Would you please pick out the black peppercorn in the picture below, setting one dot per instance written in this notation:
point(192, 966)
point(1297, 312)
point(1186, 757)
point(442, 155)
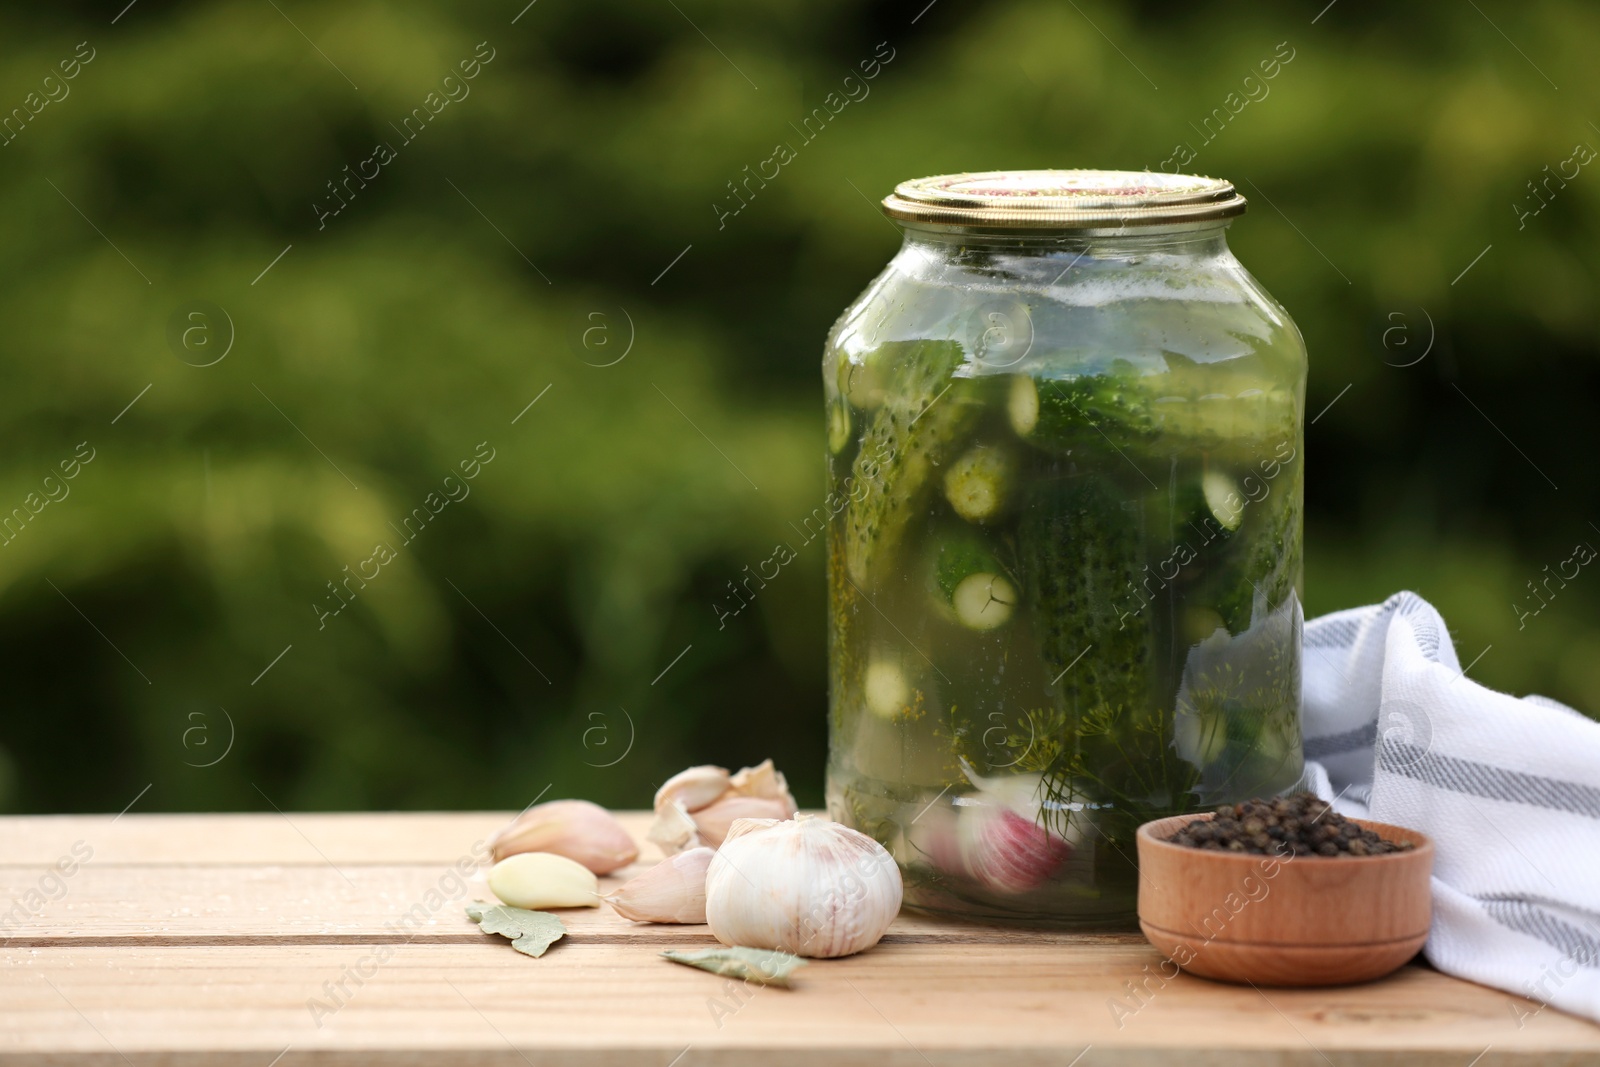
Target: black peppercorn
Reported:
point(1300, 824)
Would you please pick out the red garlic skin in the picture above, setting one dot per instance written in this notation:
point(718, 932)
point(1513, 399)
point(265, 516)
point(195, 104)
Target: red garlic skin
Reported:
point(1009, 853)
point(992, 844)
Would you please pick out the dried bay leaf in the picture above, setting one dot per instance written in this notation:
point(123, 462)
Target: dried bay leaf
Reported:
point(531, 932)
point(759, 965)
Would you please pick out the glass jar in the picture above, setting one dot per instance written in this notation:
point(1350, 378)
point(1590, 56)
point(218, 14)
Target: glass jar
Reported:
point(1064, 441)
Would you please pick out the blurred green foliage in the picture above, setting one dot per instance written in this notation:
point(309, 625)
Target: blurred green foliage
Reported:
point(520, 640)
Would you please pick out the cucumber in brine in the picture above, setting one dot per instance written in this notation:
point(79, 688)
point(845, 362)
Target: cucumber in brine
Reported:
point(887, 690)
point(1147, 415)
point(978, 484)
point(1066, 415)
point(1222, 499)
point(1080, 560)
point(1237, 716)
point(972, 586)
point(923, 417)
point(838, 426)
point(1022, 406)
point(1267, 568)
point(984, 600)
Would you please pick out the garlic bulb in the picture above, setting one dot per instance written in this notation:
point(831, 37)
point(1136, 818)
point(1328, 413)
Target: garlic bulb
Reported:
point(673, 891)
point(576, 829)
point(695, 807)
point(539, 880)
point(804, 885)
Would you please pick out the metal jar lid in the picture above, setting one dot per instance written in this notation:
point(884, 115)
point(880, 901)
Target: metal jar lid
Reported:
point(1063, 199)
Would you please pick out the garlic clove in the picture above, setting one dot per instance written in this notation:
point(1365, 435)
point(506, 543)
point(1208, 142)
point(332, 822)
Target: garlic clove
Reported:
point(805, 885)
point(1004, 851)
point(673, 891)
point(1026, 795)
point(762, 780)
point(693, 788)
point(673, 829)
point(1022, 793)
point(715, 820)
point(696, 806)
point(576, 829)
point(539, 880)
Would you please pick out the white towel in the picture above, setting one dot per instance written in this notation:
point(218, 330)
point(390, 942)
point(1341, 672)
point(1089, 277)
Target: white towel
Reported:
point(1508, 788)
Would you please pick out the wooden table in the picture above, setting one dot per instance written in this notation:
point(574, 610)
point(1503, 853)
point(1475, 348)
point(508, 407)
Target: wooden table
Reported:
point(240, 939)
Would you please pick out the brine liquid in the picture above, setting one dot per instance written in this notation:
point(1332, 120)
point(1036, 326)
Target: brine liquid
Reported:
point(1071, 599)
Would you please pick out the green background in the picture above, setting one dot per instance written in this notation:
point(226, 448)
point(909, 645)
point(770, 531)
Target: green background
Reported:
point(520, 641)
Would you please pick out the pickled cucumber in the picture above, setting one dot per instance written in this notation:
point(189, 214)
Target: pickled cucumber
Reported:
point(1077, 414)
point(1080, 555)
point(887, 691)
point(838, 427)
point(1236, 715)
point(1222, 499)
point(1269, 569)
point(1147, 415)
point(1022, 405)
point(924, 415)
point(972, 586)
point(978, 484)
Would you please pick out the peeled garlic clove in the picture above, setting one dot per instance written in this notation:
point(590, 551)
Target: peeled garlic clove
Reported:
point(806, 885)
point(693, 788)
point(673, 891)
point(575, 829)
point(539, 880)
point(1005, 851)
point(673, 829)
point(714, 821)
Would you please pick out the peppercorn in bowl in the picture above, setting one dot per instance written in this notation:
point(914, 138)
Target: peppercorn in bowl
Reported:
point(1284, 891)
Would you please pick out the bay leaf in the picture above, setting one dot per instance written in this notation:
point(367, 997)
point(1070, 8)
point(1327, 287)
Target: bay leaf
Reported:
point(531, 932)
point(759, 965)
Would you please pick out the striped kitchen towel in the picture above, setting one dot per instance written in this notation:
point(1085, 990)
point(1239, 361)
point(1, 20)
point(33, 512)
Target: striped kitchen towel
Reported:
point(1508, 788)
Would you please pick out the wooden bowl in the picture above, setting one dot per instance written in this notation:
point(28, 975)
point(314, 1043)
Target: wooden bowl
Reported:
point(1296, 921)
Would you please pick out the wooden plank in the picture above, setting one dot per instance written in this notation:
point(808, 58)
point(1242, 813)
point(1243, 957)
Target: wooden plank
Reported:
point(171, 905)
point(316, 839)
point(595, 1004)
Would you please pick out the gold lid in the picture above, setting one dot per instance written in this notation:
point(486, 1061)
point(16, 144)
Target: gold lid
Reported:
point(1063, 199)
